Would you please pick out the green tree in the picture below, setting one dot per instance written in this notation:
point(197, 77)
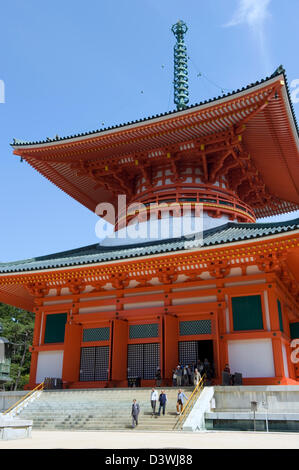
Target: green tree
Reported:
point(18, 328)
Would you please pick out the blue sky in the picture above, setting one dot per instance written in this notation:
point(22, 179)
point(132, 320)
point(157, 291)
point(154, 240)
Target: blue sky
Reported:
point(70, 66)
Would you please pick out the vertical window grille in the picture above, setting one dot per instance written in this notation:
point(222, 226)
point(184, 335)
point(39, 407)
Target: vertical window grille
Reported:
point(135, 360)
point(143, 360)
point(188, 352)
point(151, 360)
point(94, 363)
point(87, 364)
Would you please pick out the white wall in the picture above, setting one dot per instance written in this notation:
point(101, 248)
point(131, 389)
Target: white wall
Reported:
point(49, 364)
point(252, 358)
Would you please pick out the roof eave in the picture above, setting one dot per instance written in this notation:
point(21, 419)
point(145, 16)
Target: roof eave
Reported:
point(163, 117)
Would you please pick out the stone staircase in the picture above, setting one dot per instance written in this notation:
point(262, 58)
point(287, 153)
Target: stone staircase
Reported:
point(99, 409)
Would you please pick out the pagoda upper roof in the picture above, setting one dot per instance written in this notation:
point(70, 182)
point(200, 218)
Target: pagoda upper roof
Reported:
point(49, 141)
point(262, 112)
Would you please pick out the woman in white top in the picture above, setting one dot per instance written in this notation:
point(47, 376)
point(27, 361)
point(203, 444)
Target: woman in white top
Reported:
point(197, 377)
point(154, 399)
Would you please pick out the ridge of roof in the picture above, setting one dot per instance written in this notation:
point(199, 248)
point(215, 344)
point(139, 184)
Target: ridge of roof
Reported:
point(227, 233)
point(280, 70)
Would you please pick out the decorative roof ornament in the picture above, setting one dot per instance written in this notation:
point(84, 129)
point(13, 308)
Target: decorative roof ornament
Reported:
point(181, 93)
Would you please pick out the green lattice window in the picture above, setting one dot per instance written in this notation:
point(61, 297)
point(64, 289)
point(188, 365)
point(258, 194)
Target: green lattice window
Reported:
point(195, 327)
point(96, 334)
point(294, 330)
point(149, 330)
point(55, 326)
point(280, 315)
point(247, 313)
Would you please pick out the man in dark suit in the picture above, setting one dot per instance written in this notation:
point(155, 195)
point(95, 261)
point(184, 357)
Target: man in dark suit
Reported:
point(162, 401)
point(135, 413)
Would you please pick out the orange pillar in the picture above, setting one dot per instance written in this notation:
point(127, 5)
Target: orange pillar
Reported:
point(278, 358)
point(72, 352)
point(221, 347)
point(273, 308)
point(33, 367)
point(275, 328)
point(37, 326)
point(170, 345)
point(119, 350)
point(34, 354)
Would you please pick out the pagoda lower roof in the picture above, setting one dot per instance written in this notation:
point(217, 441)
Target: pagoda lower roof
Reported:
point(96, 253)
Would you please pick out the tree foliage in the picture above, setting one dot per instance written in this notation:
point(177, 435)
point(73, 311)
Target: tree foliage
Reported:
point(18, 328)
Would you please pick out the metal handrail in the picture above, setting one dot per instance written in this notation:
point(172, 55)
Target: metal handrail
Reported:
point(15, 405)
point(187, 408)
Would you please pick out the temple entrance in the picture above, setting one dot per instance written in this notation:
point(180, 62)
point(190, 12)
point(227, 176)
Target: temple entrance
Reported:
point(143, 360)
point(94, 364)
point(192, 351)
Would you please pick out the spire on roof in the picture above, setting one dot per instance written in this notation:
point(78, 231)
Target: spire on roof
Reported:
point(181, 93)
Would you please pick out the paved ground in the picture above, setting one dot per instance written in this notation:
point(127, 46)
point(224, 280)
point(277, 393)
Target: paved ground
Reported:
point(150, 440)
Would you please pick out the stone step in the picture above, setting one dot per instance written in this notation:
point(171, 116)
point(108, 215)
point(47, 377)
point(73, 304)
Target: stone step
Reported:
point(102, 422)
point(94, 409)
point(101, 418)
point(106, 418)
point(144, 407)
point(102, 399)
point(95, 403)
point(128, 427)
point(118, 391)
point(101, 425)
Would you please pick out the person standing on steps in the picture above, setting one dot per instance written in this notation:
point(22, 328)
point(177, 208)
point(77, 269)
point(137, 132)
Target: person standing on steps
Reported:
point(162, 401)
point(135, 412)
point(185, 376)
point(179, 373)
point(189, 374)
point(174, 378)
point(158, 377)
point(154, 399)
point(197, 377)
point(180, 401)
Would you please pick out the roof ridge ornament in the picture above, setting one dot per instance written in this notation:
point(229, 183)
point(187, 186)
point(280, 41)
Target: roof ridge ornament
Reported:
point(278, 71)
point(181, 93)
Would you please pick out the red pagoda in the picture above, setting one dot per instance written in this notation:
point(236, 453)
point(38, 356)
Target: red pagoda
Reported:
point(122, 308)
